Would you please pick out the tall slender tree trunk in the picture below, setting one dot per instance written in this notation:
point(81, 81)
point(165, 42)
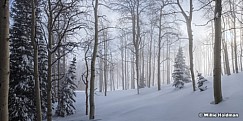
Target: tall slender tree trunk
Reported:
point(123, 75)
point(159, 49)
point(150, 57)
point(163, 75)
point(117, 78)
point(147, 72)
point(134, 43)
point(143, 65)
point(133, 73)
point(154, 66)
point(226, 58)
point(210, 59)
point(136, 46)
point(92, 78)
point(86, 83)
point(49, 71)
point(188, 19)
point(235, 43)
point(241, 41)
point(168, 61)
point(58, 78)
point(112, 82)
point(54, 76)
point(128, 74)
point(105, 62)
point(137, 69)
point(191, 55)
point(217, 53)
point(235, 49)
point(100, 73)
point(125, 64)
point(232, 56)
point(36, 73)
point(4, 59)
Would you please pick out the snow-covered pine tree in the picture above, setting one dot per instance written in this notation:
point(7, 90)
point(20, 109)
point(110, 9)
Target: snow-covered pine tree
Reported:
point(22, 63)
point(180, 58)
point(66, 106)
point(201, 80)
point(181, 72)
point(177, 76)
point(43, 75)
point(21, 87)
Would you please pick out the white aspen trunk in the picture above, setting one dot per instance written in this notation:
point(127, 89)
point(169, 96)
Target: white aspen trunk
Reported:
point(132, 73)
point(150, 57)
point(122, 57)
point(100, 73)
point(92, 78)
point(168, 61)
point(125, 64)
point(188, 19)
point(226, 58)
point(105, 62)
point(235, 41)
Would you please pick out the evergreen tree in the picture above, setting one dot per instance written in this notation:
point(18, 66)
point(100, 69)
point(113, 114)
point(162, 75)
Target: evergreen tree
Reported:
point(67, 94)
point(21, 95)
point(43, 75)
point(21, 87)
point(181, 72)
point(201, 80)
point(177, 76)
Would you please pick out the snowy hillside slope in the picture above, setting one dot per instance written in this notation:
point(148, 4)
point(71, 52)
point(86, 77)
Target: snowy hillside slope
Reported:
point(169, 104)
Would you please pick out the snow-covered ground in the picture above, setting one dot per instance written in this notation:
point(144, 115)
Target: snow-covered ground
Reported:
point(169, 104)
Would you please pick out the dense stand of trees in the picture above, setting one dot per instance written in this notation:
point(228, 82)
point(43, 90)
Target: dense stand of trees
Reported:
point(134, 51)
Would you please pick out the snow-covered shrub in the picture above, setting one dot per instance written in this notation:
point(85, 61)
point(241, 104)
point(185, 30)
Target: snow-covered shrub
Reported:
point(201, 81)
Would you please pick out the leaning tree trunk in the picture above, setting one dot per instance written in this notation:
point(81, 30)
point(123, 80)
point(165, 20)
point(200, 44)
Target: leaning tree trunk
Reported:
point(217, 54)
point(92, 78)
point(4, 59)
